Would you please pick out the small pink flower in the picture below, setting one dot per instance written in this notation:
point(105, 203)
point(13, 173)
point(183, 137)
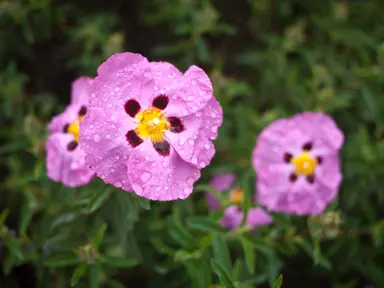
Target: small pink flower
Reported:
point(150, 127)
point(65, 160)
point(233, 215)
point(297, 164)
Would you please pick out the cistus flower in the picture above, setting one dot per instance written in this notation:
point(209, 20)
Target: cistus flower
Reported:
point(149, 127)
point(233, 215)
point(65, 160)
point(297, 164)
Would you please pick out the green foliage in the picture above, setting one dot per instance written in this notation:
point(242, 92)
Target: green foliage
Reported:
point(267, 59)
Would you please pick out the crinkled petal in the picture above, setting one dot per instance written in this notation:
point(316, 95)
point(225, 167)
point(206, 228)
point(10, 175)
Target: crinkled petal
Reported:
point(256, 217)
point(69, 115)
point(159, 177)
point(102, 137)
point(80, 90)
point(187, 93)
point(66, 166)
point(220, 182)
point(194, 144)
point(232, 217)
point(122, 77)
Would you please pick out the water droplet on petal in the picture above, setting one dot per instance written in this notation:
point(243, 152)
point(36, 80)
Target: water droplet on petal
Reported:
point(118, 184)
point(182, 141)
point(191, 98)
point(203, 164)
point(117, 157)
point(186, 190)
point(165, 164)
point(166, 188)
point(194, 160)
point(191, 142)
point(137, 188)
point(145, 176)
point(96, 138)
point(207, 146)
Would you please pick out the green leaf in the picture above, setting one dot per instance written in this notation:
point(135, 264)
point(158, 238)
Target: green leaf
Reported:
point(278, 282)
point(180, 234)
point(248, 254)
point(94, 275)
point(145, 203)
point(3, 216)
point(62, 260)
point(221, 252)
point(99, 236)
point(13, 244)
point(224, 277)
point(118, 262)
point(205, 224)
point(98, 199)
point(79, 272)
point(25, 218)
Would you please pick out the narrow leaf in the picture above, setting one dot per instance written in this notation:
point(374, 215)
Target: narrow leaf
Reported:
point(224, 277)
point(221, 252)
point(205, 224)
point(99, 236)
point(98, 199)
point(62, 260)
point(79, 272)
point(25, 218)
point(118, 262)
point(145, 203)
point(278, 282)
point(248, 254)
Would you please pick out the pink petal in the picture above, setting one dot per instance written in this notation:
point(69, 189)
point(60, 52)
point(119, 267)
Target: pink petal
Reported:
point(194, 144)
point(257, 217)
point(122, 77)
point(187, 93)
point(159, 177)
point(66, 166)
point(80, 90)
point(69, 115)
point(102, 137)
point(220, 182)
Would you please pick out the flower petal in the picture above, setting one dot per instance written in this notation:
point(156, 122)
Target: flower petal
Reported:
point(122, 77)
point(256, 217)
point(81, 90)
point(103, 139)
point(159, 177)
point(69, 115)
point(232, 217)
point(66, 166)
point(220, 182)
point(187, 93)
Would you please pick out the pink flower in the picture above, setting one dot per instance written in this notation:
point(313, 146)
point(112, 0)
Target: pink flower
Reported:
point(149, 127)
point(65, 160)
point(233, 215)
point(297, 164)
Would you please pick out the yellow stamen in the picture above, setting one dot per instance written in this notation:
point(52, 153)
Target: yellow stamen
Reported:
point(237, 195)
point(74, 128)
point(151, 123)
point(305, 163)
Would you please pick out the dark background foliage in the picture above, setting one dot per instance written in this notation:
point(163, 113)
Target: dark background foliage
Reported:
point(267, 59)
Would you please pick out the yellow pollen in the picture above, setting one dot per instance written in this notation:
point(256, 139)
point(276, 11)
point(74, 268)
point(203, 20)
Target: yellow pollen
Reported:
point(236, 196)
point(304, 164)
point(151, 123)
point(74, 128)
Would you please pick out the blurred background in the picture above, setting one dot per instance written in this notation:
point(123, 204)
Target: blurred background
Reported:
point(267, 59)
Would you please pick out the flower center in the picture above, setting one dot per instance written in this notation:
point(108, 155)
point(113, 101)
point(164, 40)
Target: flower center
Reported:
point(152, 123)
point(236, 196)
point(74, 128)
point(304, 164)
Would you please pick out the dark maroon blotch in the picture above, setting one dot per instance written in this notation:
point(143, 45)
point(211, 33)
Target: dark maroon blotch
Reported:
point(83, 111)
point(72, 145)
point(311, 179)
point(160, 102)
point(287, 157)
point(133, 139)
point(162, 148)
point(132, 107)
point(65, 129)
point(307, 146)
point(292, 178)
point(176, 125)
point(319, 159)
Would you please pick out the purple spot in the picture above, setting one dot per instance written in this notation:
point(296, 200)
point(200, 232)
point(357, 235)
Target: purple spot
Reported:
point(83, 111)
point(287, 157)
point(307, 146)
point(132, 107)
point(311, 179)
point(162, 148)
point(72, 145)
point(65, 129)
point(133, 139)
point(319, 159)
point(292, 178)
point(160, 102)
point(176, 125)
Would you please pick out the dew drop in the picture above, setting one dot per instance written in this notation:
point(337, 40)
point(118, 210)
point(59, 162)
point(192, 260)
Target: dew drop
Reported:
point(207, 146)
point(117, 157)
point(118, 184)
point(166, 188)
point(191, 98)
point(191, 142)
point(194, 160)
point(182, 141)
point(96, 138)
point(137, 188)
point(203, 164)
point(186, 190)
point(145, 176)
